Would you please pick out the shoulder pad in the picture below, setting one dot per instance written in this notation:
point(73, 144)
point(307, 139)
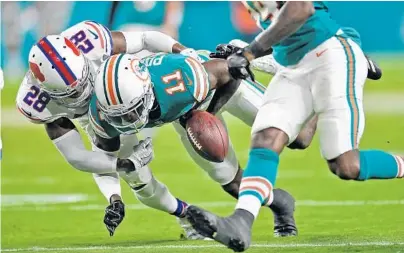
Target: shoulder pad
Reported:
point(92, 38)
point(25, 102)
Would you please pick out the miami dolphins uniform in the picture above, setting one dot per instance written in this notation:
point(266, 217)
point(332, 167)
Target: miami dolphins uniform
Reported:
point(180, 84)
point(324, 71)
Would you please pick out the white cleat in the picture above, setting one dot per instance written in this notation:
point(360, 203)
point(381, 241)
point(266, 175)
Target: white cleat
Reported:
point(189, 232)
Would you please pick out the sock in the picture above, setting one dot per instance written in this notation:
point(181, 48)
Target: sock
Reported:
point(180, 211)
point(258, 180)
point(376, 164)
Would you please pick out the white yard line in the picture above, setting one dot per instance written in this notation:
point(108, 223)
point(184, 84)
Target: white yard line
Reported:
point(182, 246)
point(215, 204)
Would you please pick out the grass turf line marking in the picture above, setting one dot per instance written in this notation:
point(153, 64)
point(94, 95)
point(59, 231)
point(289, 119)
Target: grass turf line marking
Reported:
point(179, 246)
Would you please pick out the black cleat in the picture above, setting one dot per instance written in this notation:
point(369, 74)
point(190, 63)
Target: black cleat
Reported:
point(283, 208)
point(233, 231)
point(374, 71)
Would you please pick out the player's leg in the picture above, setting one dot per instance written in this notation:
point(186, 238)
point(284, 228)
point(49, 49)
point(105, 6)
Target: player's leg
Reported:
point(286, 108)
point(152, 192)
point(246, 102)
point(229, 174)
point(244, 105)
point(342, 120)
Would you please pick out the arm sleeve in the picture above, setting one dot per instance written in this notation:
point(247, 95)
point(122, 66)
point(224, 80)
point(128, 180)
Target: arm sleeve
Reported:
point(108, 183)
point(72, 149)
point(149, 40)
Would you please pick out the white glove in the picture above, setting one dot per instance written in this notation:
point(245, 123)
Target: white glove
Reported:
point(191, 53)
point(142, 153)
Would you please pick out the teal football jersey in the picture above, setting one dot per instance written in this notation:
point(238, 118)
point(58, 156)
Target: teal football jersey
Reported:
point(179, 83)
point(317, 29)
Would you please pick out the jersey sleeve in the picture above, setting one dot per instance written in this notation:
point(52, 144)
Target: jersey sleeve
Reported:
point(92, 38)
point(27, 95)
point(200, 79)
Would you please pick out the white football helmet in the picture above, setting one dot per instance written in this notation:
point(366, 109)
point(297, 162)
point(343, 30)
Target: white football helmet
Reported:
point(124, 92)
point(62, 71)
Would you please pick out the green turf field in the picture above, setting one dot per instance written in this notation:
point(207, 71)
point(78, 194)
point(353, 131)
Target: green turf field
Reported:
point(332, 215)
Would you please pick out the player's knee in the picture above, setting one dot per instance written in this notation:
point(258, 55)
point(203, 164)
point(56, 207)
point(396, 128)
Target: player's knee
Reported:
point(270, 138)
point(346, 166)
point(232, 188)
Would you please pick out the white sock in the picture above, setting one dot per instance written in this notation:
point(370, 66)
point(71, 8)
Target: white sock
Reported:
point(249, 203)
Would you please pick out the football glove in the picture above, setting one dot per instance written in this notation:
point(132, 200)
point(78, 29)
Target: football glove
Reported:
point(239, 66)
point(374, 71)
point(142, 153)
point(114, 214)
point(224, 50)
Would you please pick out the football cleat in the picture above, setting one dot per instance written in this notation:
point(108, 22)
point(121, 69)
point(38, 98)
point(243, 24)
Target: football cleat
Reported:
point(189, 232)
point(283, 208)
point(233, 231)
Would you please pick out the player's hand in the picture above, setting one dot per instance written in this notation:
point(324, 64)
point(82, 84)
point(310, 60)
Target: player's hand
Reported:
point(142, 153)
point(224, 50)
point(374, 71)
point(114, 214)
point(239, 66)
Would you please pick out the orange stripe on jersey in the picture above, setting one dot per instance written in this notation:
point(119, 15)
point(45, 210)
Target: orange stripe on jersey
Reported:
point(197, 84)
point(205, 79)
point(98, 32)
point(199, 70)
point(351, 92)
point(110, 79)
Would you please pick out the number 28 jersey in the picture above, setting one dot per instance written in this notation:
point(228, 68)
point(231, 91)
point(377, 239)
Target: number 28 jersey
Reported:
point(179, 83)
point(95, 42)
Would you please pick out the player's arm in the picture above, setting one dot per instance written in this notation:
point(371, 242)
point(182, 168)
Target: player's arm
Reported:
point(291, 17)
point(67, 140)
point(153, 41)
point(221, 80)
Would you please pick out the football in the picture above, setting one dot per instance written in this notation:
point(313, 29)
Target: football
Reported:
point(208, 136)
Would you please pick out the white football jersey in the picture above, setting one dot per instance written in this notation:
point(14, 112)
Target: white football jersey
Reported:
point(95, 41)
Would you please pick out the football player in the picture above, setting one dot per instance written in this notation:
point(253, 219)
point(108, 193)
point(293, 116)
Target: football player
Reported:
point(57, 90)
point(161, 89)
point(323, 73)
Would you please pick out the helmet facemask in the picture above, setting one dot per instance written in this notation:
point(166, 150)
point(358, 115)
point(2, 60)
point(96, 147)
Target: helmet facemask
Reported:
point(133, 117)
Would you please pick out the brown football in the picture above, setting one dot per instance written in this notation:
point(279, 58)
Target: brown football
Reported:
point(208, 136)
